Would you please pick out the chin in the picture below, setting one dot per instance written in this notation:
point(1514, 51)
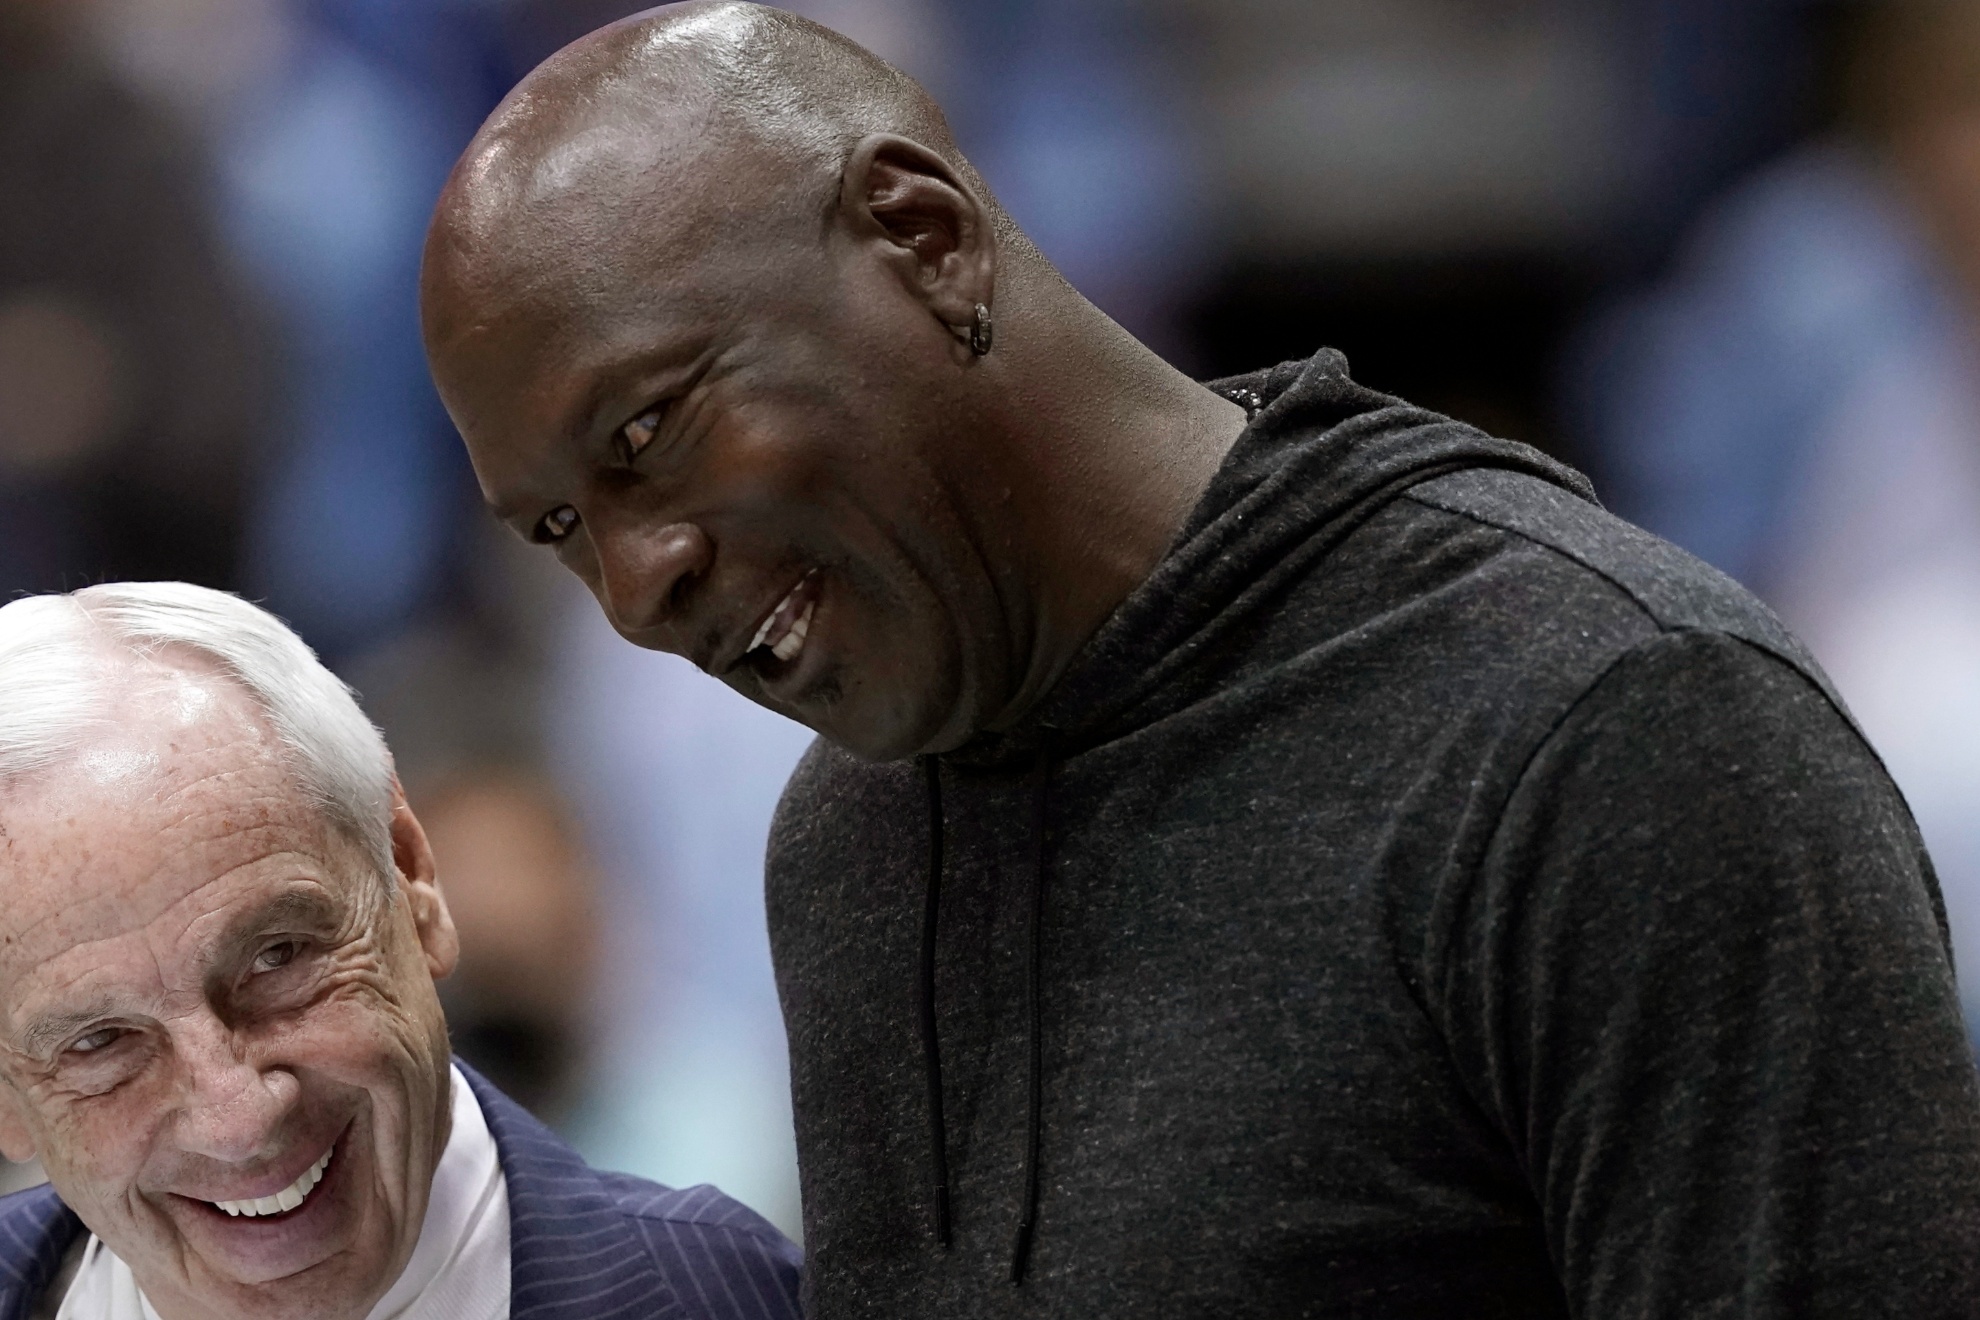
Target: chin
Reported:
point(894, 732)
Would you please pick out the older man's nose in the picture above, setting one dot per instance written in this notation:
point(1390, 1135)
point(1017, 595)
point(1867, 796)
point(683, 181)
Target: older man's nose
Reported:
point(645, 575)
point(231, 1107)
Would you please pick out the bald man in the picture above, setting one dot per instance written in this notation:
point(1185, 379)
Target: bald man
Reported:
point(1271, 850)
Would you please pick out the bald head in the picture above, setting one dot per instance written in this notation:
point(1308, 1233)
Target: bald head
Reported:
point(639, 146)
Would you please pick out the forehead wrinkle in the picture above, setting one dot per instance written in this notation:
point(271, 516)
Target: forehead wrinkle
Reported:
point(242, 820)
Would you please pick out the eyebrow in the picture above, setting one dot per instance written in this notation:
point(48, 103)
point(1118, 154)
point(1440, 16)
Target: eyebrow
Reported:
point(588, 420)
point(310, 909)
point(50, 1030)
point(673, 365)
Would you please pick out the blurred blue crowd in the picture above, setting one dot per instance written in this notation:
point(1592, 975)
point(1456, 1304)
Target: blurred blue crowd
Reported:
point(1727, 256)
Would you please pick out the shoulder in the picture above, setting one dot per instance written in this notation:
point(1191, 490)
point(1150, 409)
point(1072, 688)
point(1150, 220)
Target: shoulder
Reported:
point(589, 1243)
point(1598, 556)
point(1673, 588)
point(708, 1242)
point(702, 1210)
point(838, 811)
point(829, 776)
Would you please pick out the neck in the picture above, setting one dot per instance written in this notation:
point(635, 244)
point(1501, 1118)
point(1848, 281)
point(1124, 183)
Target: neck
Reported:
point(1108, 448)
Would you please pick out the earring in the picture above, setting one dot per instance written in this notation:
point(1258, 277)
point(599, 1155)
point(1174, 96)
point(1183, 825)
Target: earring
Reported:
point(982, 331)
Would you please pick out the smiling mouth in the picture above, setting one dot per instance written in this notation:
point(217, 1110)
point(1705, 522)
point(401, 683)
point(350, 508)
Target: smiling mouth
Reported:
point(289, 1198)
point(782, 633)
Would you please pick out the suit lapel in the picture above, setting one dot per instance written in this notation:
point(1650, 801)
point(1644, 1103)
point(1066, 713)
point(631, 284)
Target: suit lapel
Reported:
point(35, 1230)
point(573, 1256)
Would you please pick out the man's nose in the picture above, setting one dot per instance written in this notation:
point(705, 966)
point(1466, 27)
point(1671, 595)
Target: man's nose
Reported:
point(645, 575)
point(231, 1108)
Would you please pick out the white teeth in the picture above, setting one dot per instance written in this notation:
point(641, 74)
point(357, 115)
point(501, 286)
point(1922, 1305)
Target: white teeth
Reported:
point(792, 642)
point(789, 633)
point(287, 1199)
point(764, 631)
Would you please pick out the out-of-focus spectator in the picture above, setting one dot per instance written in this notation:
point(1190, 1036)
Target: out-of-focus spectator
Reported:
point(333, 123)
point(677, 778)
point(521, 889)
point(131, 379)
point(461, 697)
point(1434, 186)
point(333, 130)
point(1800, 404)
point(130, 368)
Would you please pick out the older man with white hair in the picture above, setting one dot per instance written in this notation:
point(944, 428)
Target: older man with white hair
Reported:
point(218, 1025)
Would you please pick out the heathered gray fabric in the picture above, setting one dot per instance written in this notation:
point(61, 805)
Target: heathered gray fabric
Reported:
point(1459, 904)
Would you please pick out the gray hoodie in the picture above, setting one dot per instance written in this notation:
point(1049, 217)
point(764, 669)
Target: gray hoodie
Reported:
point(1427, 896)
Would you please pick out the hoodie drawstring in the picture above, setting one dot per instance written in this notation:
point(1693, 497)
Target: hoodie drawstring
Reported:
point(1041, 779)
point(931, 1045)
point(931, 1051)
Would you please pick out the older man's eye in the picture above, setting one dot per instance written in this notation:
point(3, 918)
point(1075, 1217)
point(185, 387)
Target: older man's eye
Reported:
point(276, 955)
point(638, 433)
point(96, 1040)
point(556, 525)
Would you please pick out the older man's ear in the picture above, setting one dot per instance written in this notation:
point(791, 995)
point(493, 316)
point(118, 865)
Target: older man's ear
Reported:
point(412, 855)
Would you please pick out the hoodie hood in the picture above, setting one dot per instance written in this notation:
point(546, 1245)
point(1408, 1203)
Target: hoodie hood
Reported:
point(1320, 456)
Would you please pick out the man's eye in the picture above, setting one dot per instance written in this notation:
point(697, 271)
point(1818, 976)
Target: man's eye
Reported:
point(639, 432)
point(276, 955)
point(556, 525)
point(96, 1040)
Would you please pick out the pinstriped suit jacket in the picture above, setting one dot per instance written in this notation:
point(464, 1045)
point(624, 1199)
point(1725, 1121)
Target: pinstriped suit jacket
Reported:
point(584, 1245)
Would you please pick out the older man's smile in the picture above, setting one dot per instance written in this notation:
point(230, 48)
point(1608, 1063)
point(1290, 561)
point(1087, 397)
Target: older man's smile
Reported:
point(282, 1202)
point(278, 1235)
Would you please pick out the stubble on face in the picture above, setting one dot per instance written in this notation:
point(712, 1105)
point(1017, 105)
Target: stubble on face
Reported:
point(232, 994)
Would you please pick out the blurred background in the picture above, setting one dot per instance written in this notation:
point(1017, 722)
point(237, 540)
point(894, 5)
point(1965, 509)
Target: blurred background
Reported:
point(1723, 254)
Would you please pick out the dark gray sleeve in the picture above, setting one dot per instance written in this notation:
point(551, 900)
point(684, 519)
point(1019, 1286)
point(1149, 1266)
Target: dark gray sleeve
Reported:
point(1702, 986)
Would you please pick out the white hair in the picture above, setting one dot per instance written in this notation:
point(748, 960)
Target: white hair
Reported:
point(58, 672)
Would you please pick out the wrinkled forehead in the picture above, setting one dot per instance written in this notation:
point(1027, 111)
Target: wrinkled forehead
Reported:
point(170, 801)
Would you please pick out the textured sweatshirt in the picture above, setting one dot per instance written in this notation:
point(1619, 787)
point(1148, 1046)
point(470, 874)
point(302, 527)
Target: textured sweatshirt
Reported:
point(1426, 896)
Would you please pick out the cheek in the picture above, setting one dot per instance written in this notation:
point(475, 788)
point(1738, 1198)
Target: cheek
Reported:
point(94, 1150)
point(359, 1031)
point(369, 1014)
point(395, 1060)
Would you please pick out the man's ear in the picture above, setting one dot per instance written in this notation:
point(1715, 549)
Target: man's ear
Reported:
point(935, 230)
point(412, 855)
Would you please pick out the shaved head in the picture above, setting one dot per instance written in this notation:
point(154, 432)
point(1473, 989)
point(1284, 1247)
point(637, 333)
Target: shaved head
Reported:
point(712, 298)
point(600, 164)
